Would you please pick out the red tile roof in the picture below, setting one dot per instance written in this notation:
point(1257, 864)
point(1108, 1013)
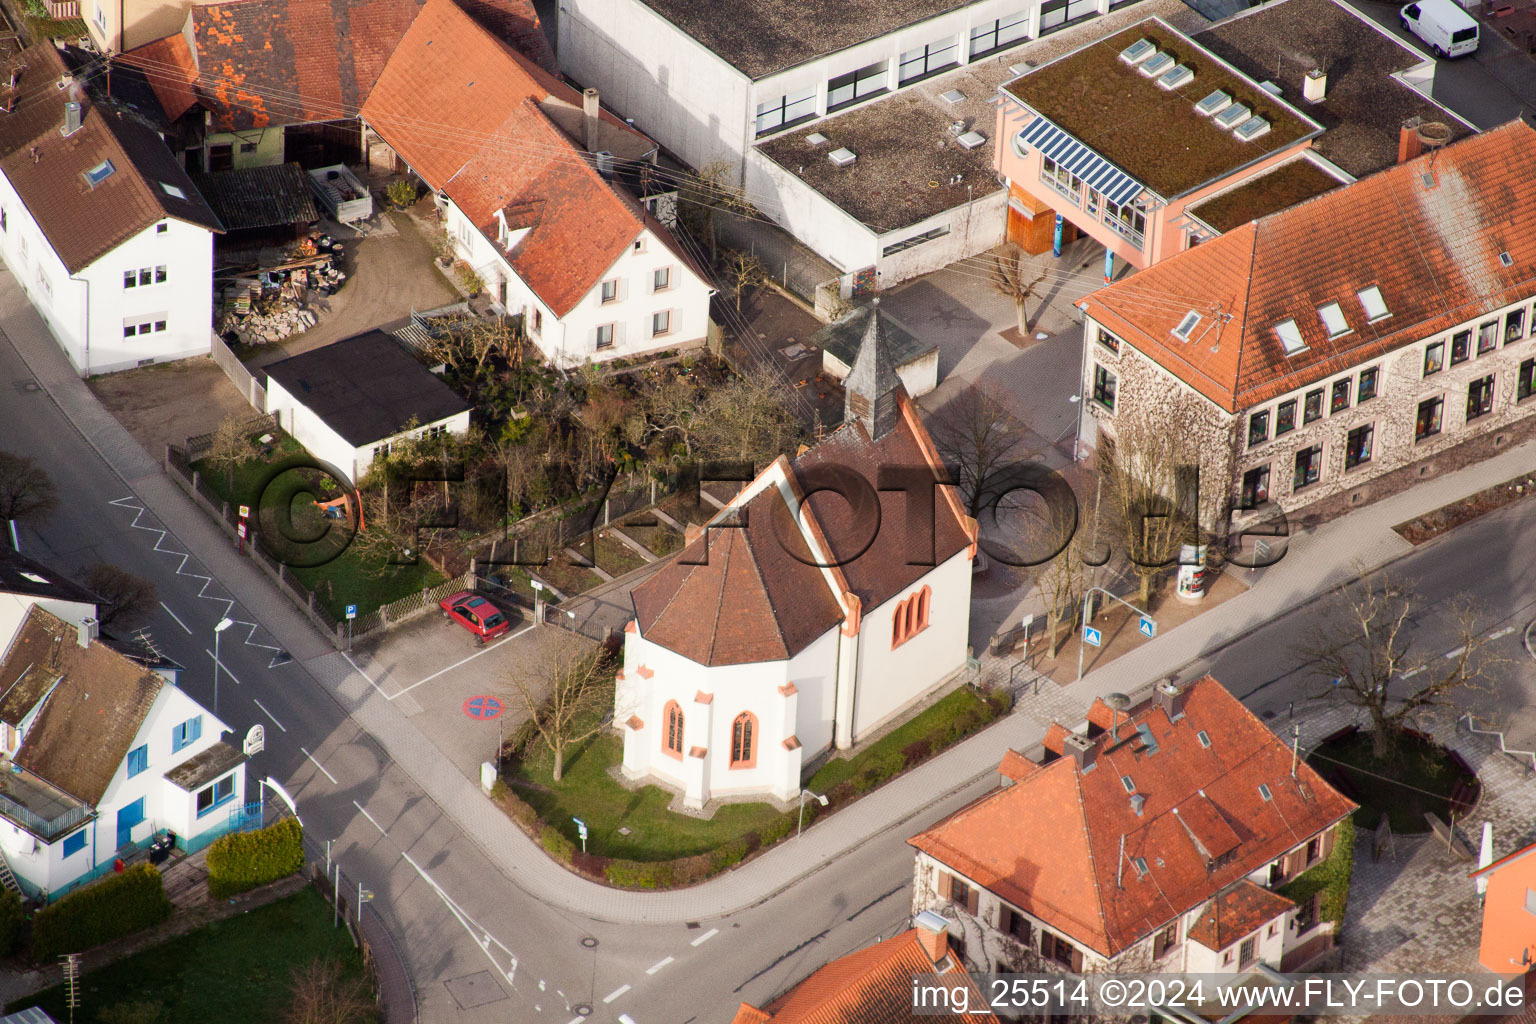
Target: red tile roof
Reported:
point(871, 986)
point(1236, 913)
point(47, 169)
point(171, 70)
point(464, 111)
point(763, 598)
point(1050, 843)
point(516, 23)
point(1433, 251)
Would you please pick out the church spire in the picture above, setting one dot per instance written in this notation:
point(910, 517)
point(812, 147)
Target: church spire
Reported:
point(870, 390)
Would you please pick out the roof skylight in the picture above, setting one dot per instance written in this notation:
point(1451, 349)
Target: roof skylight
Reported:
point(100, 173)
point(173, 191)
point(1290, 337)
point(1128, 783)
point(1204, 738)
point(1333, 319)
point(34, 577)
point(1187, 325)
point(1374, 305)
point(1141, 865)
point(1264, 792)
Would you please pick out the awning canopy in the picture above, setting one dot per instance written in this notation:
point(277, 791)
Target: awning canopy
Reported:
point(1101, 175)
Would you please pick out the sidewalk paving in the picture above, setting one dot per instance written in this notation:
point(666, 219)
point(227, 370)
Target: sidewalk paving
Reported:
point(1316, 563)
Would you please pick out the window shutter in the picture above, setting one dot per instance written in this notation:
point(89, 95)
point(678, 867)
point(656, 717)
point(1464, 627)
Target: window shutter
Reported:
point(1047, 942)
point(1329, 837)
point(197, 727)
point(972, 900)
point(946, 885)
point(1077, 960)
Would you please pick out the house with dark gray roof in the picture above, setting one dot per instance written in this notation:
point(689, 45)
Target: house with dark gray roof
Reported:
point(99, 755)
point(786, 628)
point(99, 223)
point(348, 401)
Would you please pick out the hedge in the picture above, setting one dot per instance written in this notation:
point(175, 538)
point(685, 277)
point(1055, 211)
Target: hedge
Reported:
point(118, 905)
point(1331, 878)
point(11, 918)
point(244, 860)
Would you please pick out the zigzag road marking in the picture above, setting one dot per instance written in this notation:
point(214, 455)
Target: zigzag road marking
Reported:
point(279, 656)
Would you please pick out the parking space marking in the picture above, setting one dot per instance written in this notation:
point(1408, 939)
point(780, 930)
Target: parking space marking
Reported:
point(269, 714)
point(705, 937)
point(359, 670)
point(462, 661)
point(611, 996)
point(321, 767)
point(375, 824)
point(658, 965)
point(173, 615)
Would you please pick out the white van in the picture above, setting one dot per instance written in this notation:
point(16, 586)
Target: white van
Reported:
point(1443, 24)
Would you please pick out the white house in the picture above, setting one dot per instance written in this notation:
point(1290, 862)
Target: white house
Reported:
point(794, 624)
point(99, 224)
point(346, 402)
point(25, 583)
point(542, 219)
point(100, 754)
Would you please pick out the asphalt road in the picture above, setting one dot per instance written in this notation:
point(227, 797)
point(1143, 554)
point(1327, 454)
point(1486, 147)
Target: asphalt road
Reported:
point(375, 814)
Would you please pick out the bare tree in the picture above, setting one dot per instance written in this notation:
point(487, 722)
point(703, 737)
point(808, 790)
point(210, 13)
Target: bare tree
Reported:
point(1150, 470)
point(232, 447)
point(322, 994)
point(467, 345)
point(27, 493)
point(743, 271)
point(1010, 275)
point(1363, 647)
point(126, 599)
point(1063, 580)
point(567, 700)
point(709, 190)
point(981, 442)
point(748, 419)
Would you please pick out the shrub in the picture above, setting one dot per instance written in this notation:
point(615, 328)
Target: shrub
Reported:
point(691, 870)
point(632, 874)
point(11, 918)
point(402, 193)
point(916, 752)
point(781, 827)
point(590, 864)
point(118, 905)
point(245, 860)
point(556, 845)
point(729, 855)
point(518, 809)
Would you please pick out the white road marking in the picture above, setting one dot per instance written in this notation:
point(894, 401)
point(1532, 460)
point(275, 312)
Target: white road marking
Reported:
point(1410, 674)
point(611, 996)
point(269, 714)
point(370, 818)
point(222, 666)
point(173, 615)
point(1503, 632)
point(472, 657)
point(576, 1020)
point(659, 965)
point(321, 767)
point(705, 937)
point(358, 669)
point(1452, 654)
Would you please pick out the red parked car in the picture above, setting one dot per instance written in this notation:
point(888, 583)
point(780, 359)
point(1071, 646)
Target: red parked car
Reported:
point(475, 614)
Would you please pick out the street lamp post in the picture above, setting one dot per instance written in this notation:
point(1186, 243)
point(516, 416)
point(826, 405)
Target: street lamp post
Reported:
point(799, 828)
point(224, 624)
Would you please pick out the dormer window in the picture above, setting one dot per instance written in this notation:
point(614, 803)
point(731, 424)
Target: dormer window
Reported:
point(1290, 337)
point(1187, 326)
point(1374, 305)
point(1333, 319)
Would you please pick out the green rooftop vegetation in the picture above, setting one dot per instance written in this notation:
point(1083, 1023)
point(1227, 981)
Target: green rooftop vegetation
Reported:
point(1291, 183)
point(1151, 133)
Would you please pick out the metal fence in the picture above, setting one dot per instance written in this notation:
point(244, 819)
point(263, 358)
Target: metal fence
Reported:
point(199, 444)
point(790, 264)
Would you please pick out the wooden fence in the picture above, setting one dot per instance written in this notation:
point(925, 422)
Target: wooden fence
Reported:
point(67, 10)
point(249, 386)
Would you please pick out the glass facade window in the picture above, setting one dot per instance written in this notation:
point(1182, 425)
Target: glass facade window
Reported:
point(1255, 487)
point(1258, 428)
point(1427, 423)
point(1514, 325)
point(1312, 409)
point(1285, 417)
point(1357, 446)
point(1480, 397)
point(1487, 336)
point(1309, 466)
point(1525, 384)
point(1340, 398)
point(1461, 347)
point(1434, 357)
point(928, 60)
point(1062, 180)
point(1370, 379)
point(991, 36)
point(1104, 387)
point(786, 110)
point(856, 85)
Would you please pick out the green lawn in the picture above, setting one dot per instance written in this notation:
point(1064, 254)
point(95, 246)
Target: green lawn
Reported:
point(569, 579)
point(928, 725)
point(339, 575)
point(586, 791)
point(236, 970)
point(659, 539)
point(615, 557)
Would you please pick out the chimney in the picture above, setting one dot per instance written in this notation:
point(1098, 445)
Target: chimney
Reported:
point(1314, 87)
point(86, 631)
point(590, 111)
point(71, 118)
point(1409, 145)
point(1171, 699)
point(1081, 748)
point(933, 935)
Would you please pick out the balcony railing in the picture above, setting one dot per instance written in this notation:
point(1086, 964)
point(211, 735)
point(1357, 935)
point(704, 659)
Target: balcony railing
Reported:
point(1073, 195)
point(1127, 232)
point(47, 828)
